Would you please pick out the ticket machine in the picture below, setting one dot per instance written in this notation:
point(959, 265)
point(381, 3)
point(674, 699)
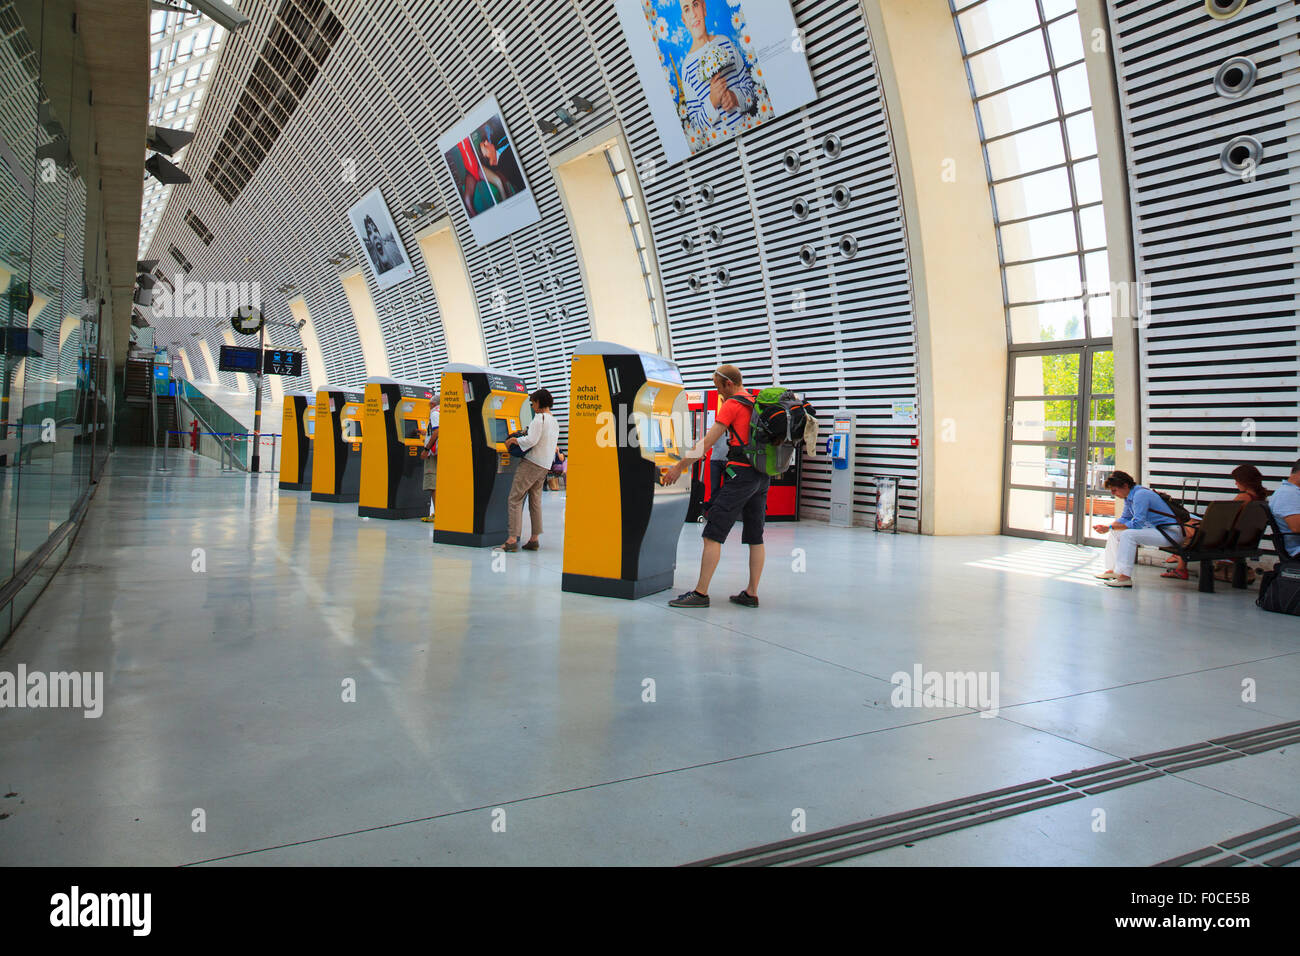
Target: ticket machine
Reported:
point(336, 453)
point(298, 431)
point(480, 408)
point(395, 423)
point(628, 422)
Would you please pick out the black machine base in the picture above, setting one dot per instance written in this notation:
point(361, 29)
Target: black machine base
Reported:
point(616, 587)
point(468, 540)
point(419, 511)
point(341, 499)
point(295, 486)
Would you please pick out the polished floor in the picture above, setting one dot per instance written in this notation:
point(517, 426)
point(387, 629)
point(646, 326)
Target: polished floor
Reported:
point(498, 720)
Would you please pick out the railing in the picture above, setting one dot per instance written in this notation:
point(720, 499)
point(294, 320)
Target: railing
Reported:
point(212, 443)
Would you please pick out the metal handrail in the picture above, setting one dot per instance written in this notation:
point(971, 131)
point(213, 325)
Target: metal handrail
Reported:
point(227, 448)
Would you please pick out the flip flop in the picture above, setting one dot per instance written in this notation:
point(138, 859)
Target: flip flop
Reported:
point(1174, 573)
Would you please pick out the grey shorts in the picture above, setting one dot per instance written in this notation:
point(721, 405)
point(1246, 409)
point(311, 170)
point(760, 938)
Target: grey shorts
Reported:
point(430, 473)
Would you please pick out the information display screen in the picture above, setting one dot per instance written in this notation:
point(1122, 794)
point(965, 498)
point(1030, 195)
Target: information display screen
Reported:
point(237, 358)
point(280, 362)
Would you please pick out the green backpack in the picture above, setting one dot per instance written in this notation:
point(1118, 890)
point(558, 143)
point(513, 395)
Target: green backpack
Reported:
point(777, 422)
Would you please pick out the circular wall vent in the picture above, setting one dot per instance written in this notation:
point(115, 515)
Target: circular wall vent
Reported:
point(1242, 155)
point(831, 146)
point(791, 161)
point(696, 283)
point(707, 193)
point(687, 243)
point(723, 275)
point(1224, 9)
point(679, 204)
point(1235, 77)
point(715, 234)
point(848, 246)
point(842, 196)
point(808, 255)
point(801, 208)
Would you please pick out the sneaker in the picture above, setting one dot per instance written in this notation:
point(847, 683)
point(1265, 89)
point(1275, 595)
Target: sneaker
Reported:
point(427, 518)
point(744, 599)
point(1115, 583)
point(531, 546)
point(690, 599)
point(1106, 575)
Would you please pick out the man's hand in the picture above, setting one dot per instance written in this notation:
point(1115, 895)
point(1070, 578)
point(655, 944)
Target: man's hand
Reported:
point(718, 92)
point(1100, 528)
point(1118, 527)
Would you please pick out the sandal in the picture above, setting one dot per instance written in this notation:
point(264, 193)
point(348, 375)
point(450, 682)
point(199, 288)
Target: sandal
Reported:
point(1175, 573)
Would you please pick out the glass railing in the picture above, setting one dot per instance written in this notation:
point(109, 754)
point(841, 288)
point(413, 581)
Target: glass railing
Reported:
point(217, 419)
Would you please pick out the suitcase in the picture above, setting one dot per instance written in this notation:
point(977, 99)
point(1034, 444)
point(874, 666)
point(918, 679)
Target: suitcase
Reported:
point(1279, 589)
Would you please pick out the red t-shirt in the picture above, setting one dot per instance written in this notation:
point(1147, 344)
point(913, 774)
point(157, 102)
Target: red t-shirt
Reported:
point(736, 416)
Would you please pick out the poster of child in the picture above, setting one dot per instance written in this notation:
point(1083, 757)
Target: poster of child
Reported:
point(709, 59)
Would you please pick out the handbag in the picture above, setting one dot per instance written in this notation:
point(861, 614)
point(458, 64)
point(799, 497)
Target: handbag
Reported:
point(515, 450)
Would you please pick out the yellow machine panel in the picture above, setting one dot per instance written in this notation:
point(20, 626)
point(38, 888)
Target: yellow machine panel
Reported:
point(480, 408)
point(395, 424)
point(336, 451)
point(628, 422)
point(297, 430)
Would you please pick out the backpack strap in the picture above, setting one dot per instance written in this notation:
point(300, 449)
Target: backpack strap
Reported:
point(736, 452)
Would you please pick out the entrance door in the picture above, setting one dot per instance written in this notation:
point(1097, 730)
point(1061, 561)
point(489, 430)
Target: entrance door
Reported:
point(1060, 443)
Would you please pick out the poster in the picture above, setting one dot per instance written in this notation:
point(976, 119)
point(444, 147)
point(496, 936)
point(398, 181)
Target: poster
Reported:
point(378, 237)
point(713, 69)
point(487, 174)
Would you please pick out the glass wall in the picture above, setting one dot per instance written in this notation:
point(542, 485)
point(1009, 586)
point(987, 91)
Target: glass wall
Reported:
point(51, 409)
point(1025, 60)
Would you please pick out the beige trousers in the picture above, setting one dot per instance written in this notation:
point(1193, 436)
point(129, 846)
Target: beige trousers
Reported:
point(529, 479)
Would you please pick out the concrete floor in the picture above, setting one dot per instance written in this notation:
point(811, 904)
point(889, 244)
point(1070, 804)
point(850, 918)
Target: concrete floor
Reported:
point(486, 696)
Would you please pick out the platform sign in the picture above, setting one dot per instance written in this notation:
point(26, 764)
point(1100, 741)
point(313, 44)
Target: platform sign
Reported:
point(281, 362)
point(237, 358)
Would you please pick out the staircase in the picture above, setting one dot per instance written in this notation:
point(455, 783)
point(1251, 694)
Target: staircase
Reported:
point(167, 421)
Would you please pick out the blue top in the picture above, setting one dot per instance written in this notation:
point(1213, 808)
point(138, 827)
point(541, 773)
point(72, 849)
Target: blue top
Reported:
point(1143, 508)
point(1283, 503)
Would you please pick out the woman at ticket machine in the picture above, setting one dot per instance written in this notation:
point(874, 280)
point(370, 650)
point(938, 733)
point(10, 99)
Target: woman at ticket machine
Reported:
point(430, 456)
point(538, 443)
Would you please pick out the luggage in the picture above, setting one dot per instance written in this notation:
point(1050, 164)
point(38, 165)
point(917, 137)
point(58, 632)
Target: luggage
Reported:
point(777, 424)
point(1279, 589)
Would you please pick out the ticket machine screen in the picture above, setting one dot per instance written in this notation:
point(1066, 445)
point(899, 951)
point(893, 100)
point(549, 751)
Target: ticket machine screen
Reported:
point(500, 430)
point(410, 429)
point(656, 436)
point(351, 429)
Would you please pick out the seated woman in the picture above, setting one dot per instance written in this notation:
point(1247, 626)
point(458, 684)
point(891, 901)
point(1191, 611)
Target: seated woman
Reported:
point(1250, 487)
point(1146, 520)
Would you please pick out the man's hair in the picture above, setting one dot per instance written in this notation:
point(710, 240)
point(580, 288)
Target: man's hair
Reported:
point(730, 373)
point(436, 400)
point(1295, 467)
point(1120, 479)
point(543, 398)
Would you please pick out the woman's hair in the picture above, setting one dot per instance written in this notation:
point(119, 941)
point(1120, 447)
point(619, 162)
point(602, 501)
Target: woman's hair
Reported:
point(543, 398)
point(1120, 479)
point(1249, 476)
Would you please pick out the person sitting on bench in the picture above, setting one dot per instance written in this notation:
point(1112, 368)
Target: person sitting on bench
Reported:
point(1146, 520)
point(1285, 505)
point(1250, 487)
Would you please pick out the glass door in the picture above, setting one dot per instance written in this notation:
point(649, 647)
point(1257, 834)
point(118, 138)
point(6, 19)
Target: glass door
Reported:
point(1060, 444)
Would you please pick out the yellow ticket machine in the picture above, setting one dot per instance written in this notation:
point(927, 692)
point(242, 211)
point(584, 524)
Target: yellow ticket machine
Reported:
point(629, 420)
point(336, 453)
point(394, 425)
point(297, 434)
point(480, 408)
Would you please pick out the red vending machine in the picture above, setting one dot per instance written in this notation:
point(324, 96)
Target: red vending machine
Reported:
point(783, 493)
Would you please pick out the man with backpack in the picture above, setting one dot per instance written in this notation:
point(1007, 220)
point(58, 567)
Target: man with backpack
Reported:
point(743, 493)
point(1148, 518)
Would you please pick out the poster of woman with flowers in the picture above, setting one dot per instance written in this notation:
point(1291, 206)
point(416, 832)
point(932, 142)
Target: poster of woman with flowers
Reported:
point(715, 65)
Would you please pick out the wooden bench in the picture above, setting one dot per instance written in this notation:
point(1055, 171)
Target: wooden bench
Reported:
point(1230, 531)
